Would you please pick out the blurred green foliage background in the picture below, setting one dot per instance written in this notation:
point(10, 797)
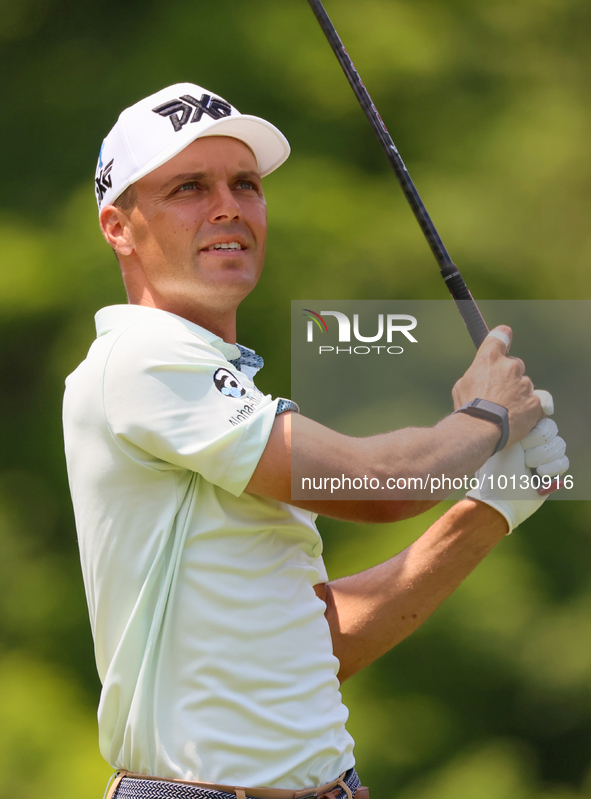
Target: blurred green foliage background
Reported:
point(489, 102)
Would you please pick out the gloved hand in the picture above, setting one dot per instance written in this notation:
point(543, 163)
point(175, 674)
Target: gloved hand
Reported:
point(542, 449)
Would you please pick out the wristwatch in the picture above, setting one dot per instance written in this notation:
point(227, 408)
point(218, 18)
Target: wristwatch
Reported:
point(483, 409)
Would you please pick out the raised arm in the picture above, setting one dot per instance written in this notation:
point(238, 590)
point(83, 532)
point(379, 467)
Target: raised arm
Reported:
point(371, 612)
point(456, 446)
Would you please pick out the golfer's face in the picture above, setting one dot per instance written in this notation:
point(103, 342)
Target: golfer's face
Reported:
point(200, 223)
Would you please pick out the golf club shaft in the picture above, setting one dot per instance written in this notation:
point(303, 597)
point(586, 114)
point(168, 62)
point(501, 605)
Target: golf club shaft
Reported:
point(455, 282)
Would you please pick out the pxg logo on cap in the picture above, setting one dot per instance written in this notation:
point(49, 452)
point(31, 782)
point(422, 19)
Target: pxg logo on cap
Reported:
point(102, 181)
point(215, 108)
point(154, 130)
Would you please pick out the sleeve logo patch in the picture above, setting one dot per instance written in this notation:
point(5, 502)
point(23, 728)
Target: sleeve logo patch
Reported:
point(228, 384)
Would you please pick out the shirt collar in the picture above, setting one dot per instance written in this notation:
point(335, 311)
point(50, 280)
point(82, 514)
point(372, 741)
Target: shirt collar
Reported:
point(116, 316)
point(248, 361)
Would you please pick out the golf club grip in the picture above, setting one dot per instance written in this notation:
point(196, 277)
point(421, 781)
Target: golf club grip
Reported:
point(455, 282)
point(466, 304)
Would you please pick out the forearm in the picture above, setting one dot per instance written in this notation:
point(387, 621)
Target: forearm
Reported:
point(300, 449)
point(369, 613)
point(456, 446)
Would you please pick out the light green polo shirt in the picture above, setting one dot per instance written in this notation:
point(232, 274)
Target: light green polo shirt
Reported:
point(211, 644)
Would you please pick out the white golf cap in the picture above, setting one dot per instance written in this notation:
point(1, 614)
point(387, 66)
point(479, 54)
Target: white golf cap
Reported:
point(154, 130)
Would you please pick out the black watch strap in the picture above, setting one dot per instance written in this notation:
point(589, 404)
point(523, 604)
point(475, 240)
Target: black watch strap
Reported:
point(483, 409)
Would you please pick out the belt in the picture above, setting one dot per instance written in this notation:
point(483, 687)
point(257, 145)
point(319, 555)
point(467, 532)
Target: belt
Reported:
point(139, 786)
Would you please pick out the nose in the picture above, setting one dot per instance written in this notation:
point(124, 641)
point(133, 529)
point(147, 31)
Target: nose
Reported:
point(224, 205)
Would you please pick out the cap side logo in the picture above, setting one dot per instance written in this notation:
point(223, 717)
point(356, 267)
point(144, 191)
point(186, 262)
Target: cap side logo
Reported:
point(179, 112)
point(103, 180)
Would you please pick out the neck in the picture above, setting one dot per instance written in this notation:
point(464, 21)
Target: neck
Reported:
point(220, 322)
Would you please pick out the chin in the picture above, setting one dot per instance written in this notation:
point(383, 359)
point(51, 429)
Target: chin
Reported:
point(234, 280)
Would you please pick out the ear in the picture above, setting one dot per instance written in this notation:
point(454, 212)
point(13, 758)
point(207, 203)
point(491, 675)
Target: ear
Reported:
point(116, 228)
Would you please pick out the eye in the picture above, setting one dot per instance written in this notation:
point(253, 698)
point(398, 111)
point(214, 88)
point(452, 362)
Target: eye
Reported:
point(246, 184)
point(187, 186)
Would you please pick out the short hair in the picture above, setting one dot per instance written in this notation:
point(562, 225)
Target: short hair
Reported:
point(126, 199)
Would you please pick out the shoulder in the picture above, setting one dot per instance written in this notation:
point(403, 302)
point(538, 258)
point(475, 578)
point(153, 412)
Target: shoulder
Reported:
point(144, 344)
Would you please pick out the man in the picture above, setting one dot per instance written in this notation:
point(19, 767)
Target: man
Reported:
point(218, 636)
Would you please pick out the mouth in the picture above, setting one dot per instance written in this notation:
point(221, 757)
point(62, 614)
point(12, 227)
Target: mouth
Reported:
point(225, 246)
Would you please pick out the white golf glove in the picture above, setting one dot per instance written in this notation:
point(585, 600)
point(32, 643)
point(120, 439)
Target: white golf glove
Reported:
point(542, 449)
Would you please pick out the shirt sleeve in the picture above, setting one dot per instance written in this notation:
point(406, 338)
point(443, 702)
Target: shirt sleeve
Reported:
point(320, 568)
point(172, 400)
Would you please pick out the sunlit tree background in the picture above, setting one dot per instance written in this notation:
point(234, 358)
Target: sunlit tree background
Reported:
point(489, 102)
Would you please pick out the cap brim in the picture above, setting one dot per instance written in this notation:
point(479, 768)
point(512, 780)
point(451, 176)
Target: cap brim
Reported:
point(269, 145)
